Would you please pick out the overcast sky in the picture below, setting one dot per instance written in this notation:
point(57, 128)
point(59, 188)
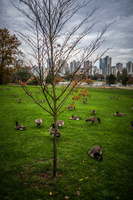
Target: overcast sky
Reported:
point(119, 35)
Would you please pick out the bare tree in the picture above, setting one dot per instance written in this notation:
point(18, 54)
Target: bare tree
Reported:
point(51, 42)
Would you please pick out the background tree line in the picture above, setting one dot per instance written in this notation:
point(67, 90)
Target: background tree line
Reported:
point(123, 78)
point(11, 71)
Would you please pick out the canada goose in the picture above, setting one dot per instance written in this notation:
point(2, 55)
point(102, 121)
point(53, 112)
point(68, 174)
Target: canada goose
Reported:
point(60, 123)
point(19, 127)
point(71, 107)
point(14, 95)
point(41, 101)
point(38, 122)
point(52, 131)
point(111, 97)
point(96, 152)
point(85, 101)
point(93, 119)
point(119, 114)
point(75, 118)
point(93, 111)
point(19, 100)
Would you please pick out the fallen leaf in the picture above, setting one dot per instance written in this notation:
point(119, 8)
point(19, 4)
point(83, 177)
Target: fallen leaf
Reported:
point(66, 197)
point(50, 193)
point(79, 188)
point(78, 193)
point(81, 179)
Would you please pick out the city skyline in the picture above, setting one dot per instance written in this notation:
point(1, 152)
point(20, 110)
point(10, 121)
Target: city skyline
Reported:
point(119, 35)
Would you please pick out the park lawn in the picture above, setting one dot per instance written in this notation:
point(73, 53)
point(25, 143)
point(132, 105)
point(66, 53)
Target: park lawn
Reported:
point(26, 157)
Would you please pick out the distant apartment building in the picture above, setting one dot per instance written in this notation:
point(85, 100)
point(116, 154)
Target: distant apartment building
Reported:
point(129, 67)
point(106, 66)
point(74, 65)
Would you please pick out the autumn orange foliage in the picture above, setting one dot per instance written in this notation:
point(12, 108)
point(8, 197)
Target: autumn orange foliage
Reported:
point(57, 79)
point(89, 81)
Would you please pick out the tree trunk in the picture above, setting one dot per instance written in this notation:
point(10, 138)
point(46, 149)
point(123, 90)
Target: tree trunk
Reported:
point(54, 145)
point(55, 157)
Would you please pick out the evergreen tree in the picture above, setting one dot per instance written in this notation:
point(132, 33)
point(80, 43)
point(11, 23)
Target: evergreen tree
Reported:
point(118, 76)
point(124, 77)
point(111, 79)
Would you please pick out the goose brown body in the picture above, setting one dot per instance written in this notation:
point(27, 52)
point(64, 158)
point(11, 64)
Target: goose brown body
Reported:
point(38, 122)
point(119, 114)
point(85, 101)
point(19, 127)
point(75, 118)
point(19, 100)
point(93, 119)
point(41, 101)
point(60, 123)
point(71, 107)
point(14, 95)
point(96, 152)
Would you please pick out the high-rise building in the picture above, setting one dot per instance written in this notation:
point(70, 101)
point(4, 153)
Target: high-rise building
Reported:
point(74, 65)
point(101, 63)
point(119, 67)
point(63, 66)
point(106, 66)
point(87, 67)
point(113, 70)
point(129, 67)
point(87, 64)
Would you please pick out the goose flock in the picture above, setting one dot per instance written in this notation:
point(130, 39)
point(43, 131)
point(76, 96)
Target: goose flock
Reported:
point(94, 152)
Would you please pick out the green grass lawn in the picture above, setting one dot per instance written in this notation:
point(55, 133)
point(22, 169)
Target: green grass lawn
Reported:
point(26, 157)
